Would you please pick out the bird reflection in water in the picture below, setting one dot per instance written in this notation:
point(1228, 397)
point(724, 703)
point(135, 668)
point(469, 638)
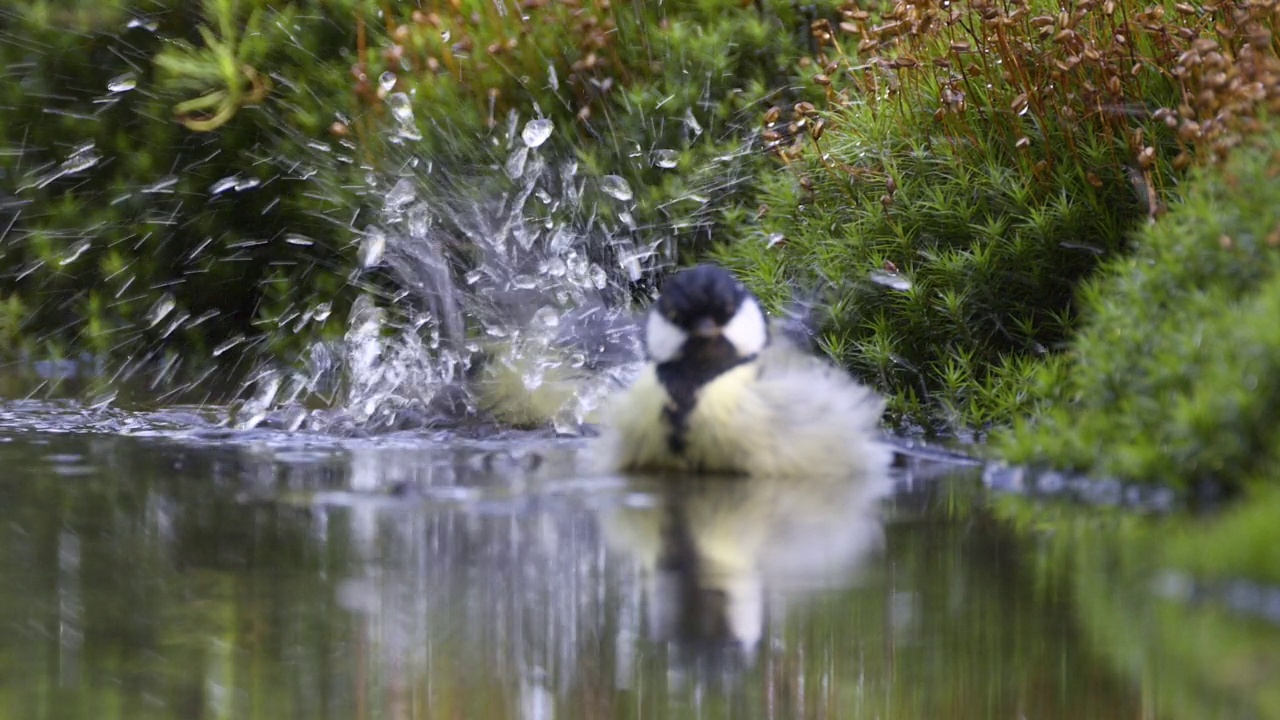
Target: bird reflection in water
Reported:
point(722, 556)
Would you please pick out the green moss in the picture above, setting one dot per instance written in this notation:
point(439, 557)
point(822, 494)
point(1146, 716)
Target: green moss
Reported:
point(1175, 374)
point(946, 274)
point(965, 168)
point(113, 207)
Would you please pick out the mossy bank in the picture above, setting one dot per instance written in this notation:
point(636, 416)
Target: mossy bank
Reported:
point(1174, 375)
point(965, 167)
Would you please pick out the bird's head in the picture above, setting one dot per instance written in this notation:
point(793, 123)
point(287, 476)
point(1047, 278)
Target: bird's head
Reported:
point(705, 319)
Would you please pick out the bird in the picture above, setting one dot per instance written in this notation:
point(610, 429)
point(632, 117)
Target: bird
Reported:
point(723, 393)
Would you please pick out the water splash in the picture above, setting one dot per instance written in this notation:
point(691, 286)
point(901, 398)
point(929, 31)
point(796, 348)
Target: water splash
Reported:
point(493, 297)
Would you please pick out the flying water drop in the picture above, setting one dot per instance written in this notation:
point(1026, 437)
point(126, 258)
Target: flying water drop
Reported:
point(224, 347)
point(692, 123)
point(160, 309)
point(372, 247)
point(516, 162)
point(598, 277)
point(76, 251)
point(616, 187)
point(666, 159)
point(223, 185)
point(145, 23)
point(401, 195)
point(536, 132)
point(419, 221)
point(891, 280)
point(402, 111)
point(401, 108)
point(122, 83)
point(546, 317)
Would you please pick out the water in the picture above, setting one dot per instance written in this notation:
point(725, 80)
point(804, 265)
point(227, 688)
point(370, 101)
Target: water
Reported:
point(185, 571)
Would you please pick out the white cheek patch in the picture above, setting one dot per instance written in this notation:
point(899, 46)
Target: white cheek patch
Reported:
point(747, 329)
point(663, 339)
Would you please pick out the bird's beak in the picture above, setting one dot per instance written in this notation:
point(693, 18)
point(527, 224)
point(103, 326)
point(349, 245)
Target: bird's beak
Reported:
point(706, 328)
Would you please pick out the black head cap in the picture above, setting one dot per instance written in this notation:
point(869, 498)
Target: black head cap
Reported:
point(703, 292)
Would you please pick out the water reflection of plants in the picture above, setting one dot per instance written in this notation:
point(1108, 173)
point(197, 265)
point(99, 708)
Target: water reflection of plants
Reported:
point(1148, 593)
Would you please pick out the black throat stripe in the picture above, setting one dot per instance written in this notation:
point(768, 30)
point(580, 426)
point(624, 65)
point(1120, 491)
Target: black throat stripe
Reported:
point(700, 362)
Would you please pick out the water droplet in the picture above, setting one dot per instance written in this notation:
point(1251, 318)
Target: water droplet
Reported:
point(247, 184)
point(401, 108)
point(76, 252)
point(82, 158)
point(617, 187)
point(144, 23)
point(552, 80)
point(666, 159)
point(775, 238)
point(372, 247)
point(445, 35)
point(294, 418)
point(122, 83)
point(163, 185)
point(228, 345)
point(516, 162)
point(553, 267)
point(691, 123)
point(160, 309)
point(546, 317)
point(419, 221)
point(387, 81)
point(323, 311)
point(561, 241)
point(577, 265)
point(536, 132)
point(401, 195)
point(598, 277)
point(223, 185)
point(892, 280)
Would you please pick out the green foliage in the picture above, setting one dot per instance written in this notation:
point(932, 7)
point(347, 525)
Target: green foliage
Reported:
point(949, 271)
point(1175, 375)
point(132, 237)
point(222, 69)
point(660, 94)
point(186, 174)
point(966, 167)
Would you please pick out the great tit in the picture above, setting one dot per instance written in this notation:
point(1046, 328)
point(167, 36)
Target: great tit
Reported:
point(722, 394)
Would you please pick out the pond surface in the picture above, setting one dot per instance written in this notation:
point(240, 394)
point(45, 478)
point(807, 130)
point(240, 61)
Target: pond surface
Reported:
point(204, 574)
